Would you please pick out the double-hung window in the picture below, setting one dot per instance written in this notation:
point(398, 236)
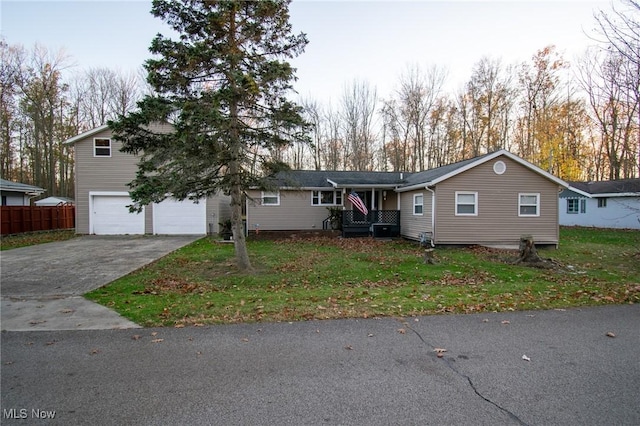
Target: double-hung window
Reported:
point(418, 203)
point(270, 198)
point(529, 204)
point(573, 206)
point(466, 203)
point(602, 202)
point(326, 198)
point(102, 147)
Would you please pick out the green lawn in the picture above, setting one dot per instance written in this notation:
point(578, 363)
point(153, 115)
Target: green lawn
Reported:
point(300, 279)
point(33, 238)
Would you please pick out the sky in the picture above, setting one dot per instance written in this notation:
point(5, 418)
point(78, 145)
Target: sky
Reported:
point(365, 41)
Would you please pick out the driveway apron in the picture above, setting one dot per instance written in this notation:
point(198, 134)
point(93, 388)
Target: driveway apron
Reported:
point(42, 286)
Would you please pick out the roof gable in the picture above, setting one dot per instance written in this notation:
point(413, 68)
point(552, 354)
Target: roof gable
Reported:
point(86, 134)
point(435, 176)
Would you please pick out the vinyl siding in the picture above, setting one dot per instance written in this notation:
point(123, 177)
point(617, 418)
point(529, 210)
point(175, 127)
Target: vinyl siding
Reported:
point(101, 174)
point(411, 226)
point(112, 174)
point(497, 221)
point(295, 213)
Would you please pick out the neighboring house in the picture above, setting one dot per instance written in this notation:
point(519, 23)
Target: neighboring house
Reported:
point(607, 204)
point(18, 194)
point(491, 199)
point(54, 201)
point(102, 173)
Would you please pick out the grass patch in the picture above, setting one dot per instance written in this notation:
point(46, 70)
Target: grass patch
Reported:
point(345, 278)
point(9, 242)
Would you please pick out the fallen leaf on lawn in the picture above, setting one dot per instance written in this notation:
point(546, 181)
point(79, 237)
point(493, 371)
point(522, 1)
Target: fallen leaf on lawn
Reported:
point(157, 340)
point(136, 337)
point(402, 331)
point(349, 347)
point(611, 334)
point(526, 358)
point(505, 322)
point(321, 308)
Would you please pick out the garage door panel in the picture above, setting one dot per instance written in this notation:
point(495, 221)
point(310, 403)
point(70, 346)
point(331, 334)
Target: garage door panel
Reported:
point(111, 216)
point(172, 217)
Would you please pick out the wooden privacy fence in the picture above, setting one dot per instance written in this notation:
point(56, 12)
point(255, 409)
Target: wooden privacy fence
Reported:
point(18, 219)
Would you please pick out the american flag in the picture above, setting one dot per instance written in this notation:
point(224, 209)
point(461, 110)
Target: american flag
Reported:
point(357, 203)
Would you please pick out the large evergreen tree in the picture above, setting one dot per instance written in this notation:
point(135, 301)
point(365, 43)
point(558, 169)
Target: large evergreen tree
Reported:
point(222, 86)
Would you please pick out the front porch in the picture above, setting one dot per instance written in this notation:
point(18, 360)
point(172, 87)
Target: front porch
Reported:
point(376, 223)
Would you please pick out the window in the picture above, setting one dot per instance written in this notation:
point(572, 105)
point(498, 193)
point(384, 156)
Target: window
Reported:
point(326, 198)
point(529, 205)
point(573, 206)
point(466, 203)
point(270, 198)
point(602, 203)
point(418, 200)
point(583, 206)
point(102, 147)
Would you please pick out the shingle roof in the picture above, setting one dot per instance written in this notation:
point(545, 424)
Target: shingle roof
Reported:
point(321, 179)
point(623, 186)
point(430, 175)
point(7, 185)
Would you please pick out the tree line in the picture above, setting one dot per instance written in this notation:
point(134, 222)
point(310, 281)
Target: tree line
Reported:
point(579, 121)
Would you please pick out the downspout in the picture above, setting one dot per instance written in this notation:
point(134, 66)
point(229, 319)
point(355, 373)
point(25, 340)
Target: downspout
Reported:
point(433, 214)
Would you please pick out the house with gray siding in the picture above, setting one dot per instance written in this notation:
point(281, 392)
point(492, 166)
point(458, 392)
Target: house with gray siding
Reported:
point(604, 204)
point(18, 194)
point(102, 174)
point(492, 199)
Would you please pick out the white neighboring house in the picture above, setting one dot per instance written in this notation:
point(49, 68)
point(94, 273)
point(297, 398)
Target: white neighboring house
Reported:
point(18, 194)
point(607, 204)
point(53, 201)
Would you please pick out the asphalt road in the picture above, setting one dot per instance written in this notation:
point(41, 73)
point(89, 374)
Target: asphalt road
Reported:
point(361, 372)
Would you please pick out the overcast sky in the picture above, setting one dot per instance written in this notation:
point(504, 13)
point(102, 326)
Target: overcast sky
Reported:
point(373, 41)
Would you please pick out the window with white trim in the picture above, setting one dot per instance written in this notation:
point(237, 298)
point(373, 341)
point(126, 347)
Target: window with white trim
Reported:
point(102, 147)
point(466, 203)
point(573, 206)
point(529, 204)
point(602, 203)
point(326, 198)
point(270, 198)
point(418, 204)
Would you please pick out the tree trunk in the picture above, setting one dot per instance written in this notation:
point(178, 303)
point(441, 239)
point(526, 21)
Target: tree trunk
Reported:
point(528, 252)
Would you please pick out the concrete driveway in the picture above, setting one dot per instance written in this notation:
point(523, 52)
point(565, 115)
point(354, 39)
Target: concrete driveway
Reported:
point(42, 286)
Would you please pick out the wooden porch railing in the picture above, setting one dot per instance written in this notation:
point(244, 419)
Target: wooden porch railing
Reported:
point(377, 223)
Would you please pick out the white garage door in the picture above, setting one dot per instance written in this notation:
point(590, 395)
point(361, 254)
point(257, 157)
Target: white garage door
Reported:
point(186, 217)
point(110, 216)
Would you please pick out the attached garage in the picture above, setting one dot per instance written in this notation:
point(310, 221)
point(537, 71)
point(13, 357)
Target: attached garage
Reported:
point(111, 216)
point(172, 217)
